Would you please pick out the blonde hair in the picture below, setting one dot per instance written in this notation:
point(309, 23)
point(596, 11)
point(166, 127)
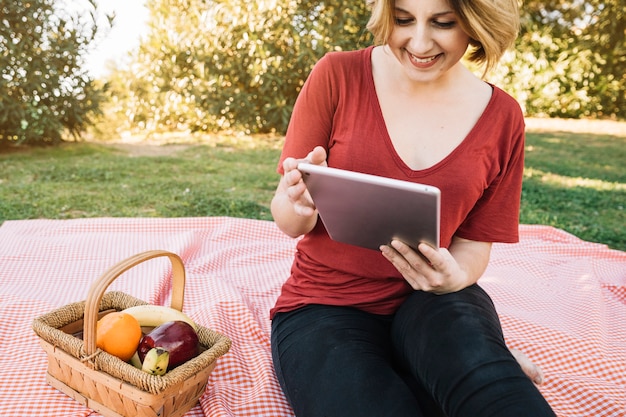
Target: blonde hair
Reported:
point(492, 25)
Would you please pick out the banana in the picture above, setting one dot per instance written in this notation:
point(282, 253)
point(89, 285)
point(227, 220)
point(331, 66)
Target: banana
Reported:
point(156, 361)
point(150, 315)
point(135, 361)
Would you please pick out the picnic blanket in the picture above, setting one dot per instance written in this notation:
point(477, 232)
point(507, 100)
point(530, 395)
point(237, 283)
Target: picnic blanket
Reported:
point(561, 300)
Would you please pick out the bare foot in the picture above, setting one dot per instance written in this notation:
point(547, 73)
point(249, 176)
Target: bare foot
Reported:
point(531, 370)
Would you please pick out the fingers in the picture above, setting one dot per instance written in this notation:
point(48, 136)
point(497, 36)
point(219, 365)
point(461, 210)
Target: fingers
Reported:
point(298, 195)
point(428, 269)
point(295, 189)
point(317, 156)
point(301, 200)
point(292, 175)
point(531, 370)
point(399, 261)
point(423, 260)
point(294, 185)
point(414, 267)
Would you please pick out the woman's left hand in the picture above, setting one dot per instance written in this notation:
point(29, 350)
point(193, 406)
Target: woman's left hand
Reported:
point(431, 270)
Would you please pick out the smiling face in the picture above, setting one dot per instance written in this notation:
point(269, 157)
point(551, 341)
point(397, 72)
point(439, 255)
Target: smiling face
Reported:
point(427, 38)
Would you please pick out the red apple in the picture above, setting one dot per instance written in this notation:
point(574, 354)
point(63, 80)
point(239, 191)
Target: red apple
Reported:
point(177, 337)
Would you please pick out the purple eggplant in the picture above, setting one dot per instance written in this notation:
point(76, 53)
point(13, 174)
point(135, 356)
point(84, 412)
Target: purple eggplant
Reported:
point(177, 337)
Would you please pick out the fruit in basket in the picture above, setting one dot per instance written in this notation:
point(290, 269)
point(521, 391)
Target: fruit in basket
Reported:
point(135, 361)
point(177, 337)
point(156, 361)
point(119, 334)
point(150, 315)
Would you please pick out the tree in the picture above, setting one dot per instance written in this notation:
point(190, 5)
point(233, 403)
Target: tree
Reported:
point(208, 65)
point(570, 59)
point(44, 91)
point(265, 50)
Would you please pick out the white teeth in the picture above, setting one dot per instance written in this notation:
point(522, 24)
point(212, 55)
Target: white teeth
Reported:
point(423, 60)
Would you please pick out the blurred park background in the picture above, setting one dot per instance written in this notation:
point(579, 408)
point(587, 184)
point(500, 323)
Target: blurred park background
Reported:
point(222, 76)
point(207, 65)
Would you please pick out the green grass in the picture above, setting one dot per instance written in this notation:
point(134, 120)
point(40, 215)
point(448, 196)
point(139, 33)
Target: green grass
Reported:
point(88, 180)
point(575, 182)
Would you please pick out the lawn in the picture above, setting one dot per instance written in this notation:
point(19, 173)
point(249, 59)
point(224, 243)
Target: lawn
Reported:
point(577, 182)
point(573, 181)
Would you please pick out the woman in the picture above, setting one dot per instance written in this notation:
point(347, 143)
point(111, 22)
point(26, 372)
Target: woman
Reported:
point(357, 332)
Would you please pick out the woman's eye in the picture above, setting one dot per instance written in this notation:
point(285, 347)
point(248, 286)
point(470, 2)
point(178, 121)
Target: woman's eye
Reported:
point(403, 21)
point(445, 25)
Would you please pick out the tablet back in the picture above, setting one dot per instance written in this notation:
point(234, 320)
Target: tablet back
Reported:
point(369, 211)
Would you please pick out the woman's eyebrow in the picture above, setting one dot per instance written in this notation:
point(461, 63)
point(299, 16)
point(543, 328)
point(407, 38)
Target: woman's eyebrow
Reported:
point(435, 15)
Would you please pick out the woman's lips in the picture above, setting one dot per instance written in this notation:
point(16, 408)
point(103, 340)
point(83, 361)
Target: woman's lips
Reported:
point(423, 62)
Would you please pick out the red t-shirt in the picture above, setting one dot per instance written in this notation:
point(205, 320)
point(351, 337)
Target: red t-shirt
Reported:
point(480, 182)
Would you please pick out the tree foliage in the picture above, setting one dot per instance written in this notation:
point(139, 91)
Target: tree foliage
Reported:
point(208, 65)
point(570, 59)
point(44, 90)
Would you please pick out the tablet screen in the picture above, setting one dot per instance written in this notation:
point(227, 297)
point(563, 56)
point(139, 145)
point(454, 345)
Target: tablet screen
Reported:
point(368, 210)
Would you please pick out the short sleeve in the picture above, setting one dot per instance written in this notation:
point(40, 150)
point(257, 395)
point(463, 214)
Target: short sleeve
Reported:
point(495, 216)
point(311, 120)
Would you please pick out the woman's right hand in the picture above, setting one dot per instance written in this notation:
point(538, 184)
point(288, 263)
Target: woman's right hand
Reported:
point(292, 206)
point(294, 186)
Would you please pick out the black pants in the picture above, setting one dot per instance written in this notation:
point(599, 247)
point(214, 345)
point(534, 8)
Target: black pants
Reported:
point(437, 356)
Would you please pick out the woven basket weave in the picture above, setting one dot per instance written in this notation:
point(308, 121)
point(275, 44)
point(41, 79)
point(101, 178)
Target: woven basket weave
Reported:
point(104, 382)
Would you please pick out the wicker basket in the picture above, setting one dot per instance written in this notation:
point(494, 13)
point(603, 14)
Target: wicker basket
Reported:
point(104, 382)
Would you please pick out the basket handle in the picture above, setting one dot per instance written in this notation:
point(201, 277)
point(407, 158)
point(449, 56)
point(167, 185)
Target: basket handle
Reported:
point(98, 288)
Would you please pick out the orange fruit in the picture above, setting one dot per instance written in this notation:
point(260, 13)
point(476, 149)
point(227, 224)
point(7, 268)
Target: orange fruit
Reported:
point(119, 334)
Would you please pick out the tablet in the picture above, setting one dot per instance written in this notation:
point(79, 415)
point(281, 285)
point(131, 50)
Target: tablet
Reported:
point(368, 210)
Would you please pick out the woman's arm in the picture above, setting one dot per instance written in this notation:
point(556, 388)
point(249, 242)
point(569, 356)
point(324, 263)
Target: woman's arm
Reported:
point(440, 270)
point(292, 207)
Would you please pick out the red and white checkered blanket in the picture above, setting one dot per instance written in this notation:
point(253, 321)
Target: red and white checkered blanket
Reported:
point(561, 300)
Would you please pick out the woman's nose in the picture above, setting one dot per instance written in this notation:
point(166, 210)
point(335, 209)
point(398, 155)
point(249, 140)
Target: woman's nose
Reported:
point(421, 40)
